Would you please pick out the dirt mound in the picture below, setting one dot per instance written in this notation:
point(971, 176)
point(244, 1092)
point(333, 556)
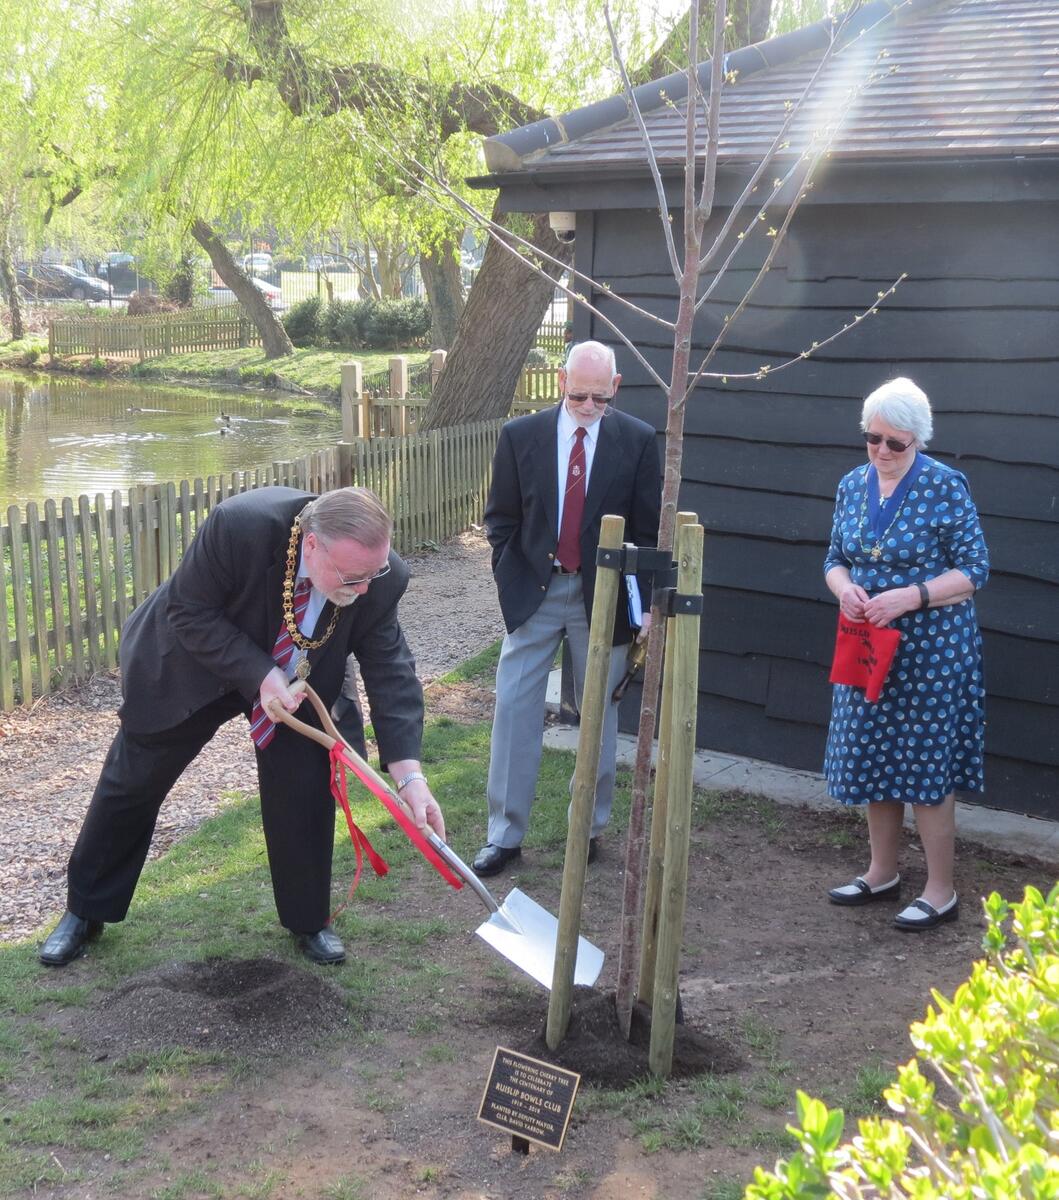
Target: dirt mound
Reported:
point(595, 1048)
point(254, 1007)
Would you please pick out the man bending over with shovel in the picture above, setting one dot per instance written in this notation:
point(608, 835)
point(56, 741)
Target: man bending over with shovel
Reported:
point(265, 594)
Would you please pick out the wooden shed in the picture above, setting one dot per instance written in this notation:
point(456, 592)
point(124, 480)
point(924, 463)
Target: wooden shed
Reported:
point(944, 165)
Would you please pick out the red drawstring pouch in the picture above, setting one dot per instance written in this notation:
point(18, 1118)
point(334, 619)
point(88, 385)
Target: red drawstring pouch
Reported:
point(863, 654)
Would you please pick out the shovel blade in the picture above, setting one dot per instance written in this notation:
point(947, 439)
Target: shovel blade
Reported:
point(525, 933)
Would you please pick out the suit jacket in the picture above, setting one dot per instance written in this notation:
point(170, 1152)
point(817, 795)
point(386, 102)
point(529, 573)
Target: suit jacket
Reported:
point(209, 630)
point(522, 511)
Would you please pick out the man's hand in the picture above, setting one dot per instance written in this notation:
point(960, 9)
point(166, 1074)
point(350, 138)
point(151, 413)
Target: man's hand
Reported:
point(275, 687)
point(417, 797)
point(645, 627)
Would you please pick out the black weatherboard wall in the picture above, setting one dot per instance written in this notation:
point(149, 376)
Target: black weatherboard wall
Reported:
point(948, 170)
point(976, 325)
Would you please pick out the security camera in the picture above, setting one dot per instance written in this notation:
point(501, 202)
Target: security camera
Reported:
point(563, 225)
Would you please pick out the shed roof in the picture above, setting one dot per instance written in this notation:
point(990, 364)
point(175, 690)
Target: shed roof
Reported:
point(960, 79)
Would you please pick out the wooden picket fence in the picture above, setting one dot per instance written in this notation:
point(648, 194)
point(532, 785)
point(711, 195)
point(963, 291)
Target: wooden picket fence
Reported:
point(222, 327)
point(552, 337)
point(72, 573)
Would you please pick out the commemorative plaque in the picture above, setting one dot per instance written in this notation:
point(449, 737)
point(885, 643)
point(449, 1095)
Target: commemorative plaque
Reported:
point(528, 1098)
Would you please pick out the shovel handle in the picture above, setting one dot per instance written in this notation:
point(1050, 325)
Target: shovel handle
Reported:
point(329, 736)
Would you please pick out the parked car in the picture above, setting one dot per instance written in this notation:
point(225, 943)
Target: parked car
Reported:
point(328, 262)
point(258, 263)
point(119, 269)
point(224, 295)
point(55, 281)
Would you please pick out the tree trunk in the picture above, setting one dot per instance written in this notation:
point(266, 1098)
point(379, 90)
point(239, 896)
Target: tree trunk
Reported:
point(274, 338)
point(8, 281)
point(181, 286)
point(440, 268)
point(500, 320)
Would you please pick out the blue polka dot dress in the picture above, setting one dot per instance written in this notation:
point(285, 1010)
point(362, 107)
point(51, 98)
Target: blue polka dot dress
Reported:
point(924, 737)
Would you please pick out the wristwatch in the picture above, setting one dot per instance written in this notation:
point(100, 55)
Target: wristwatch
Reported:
point(412, 775)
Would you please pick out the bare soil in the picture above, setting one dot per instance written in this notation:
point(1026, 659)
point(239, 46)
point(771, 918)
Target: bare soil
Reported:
point(780, 991)
point(776, 984)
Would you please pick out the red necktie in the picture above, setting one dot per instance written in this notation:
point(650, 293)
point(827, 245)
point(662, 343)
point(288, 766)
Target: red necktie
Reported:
point(262, 730)
point(569, 549)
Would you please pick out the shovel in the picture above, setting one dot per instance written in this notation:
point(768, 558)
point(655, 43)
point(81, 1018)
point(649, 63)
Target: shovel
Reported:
point(519, 929)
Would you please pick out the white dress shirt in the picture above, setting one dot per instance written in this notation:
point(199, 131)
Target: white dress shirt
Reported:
point(565, 446)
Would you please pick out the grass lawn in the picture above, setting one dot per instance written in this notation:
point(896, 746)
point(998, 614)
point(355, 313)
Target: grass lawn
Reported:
point(23, 351)
point(310, 368)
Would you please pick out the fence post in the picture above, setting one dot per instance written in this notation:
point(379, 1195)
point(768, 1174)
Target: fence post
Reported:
point(51, 339)
point(437, 365)
point(399, 389)
point(352, 394)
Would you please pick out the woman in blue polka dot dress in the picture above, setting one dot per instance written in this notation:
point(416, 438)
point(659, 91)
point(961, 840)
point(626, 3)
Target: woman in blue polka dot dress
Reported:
point(907, 551)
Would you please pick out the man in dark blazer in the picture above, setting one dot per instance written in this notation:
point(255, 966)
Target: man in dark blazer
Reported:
point(200, 650)
point(545, 574)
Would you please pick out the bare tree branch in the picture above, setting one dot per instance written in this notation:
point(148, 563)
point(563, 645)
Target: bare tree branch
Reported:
point(652, 161)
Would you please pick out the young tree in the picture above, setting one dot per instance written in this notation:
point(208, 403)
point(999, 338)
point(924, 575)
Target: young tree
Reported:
point(701, 245)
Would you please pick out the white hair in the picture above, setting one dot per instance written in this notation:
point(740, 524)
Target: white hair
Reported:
point(900, 403)
point(592, 349)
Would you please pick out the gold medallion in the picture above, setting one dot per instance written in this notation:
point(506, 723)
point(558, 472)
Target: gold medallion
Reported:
point(302, 669)
point(876, 551)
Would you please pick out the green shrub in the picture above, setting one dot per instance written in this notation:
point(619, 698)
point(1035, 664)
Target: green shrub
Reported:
point(394, 323)
point(980, 1121)
point(536, 357)
point(302, 321)
point(342, 323)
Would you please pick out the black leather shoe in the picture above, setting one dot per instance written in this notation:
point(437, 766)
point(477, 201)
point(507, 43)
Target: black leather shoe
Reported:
point(593, 849)
point(491, 860)
point(68, 940)
point(324, 946)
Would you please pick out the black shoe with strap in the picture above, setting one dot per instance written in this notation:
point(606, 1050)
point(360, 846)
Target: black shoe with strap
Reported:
point(859, 891)
point(68, 940)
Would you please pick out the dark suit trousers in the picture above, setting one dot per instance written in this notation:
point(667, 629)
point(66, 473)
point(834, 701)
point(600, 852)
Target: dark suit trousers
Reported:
point(297, 813)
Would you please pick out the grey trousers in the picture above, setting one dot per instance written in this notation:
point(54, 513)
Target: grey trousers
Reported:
point(518, 725)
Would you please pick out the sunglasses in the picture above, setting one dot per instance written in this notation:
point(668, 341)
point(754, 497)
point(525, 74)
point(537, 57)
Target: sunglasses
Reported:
point(877, 439)
point(383, 570)
point(581, 397)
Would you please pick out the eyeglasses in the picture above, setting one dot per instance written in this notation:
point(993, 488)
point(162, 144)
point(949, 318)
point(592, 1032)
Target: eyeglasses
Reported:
point(581, 397)
point(877, 439)
point(383, 570)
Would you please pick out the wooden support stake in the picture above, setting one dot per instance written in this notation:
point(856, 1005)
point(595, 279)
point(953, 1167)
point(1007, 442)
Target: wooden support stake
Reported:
point(656, 853)
point(685, 687)
point(352, 400)
point(594, 702)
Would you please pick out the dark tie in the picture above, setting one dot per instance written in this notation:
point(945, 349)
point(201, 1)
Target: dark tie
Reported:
point(569, 549)
point(262, 730)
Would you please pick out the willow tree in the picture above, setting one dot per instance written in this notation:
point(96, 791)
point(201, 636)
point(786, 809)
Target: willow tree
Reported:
point(261, 103)
point(55, 127)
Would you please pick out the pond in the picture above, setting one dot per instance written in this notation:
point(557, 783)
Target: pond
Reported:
point(64, 435)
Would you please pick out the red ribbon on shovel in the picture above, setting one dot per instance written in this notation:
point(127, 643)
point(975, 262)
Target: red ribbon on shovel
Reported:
point(343, 757)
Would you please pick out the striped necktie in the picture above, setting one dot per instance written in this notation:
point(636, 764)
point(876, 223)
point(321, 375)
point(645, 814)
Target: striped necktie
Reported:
point(262, 730)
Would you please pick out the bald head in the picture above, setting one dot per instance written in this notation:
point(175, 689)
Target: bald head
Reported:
point(593, 356)
point(588, 381)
